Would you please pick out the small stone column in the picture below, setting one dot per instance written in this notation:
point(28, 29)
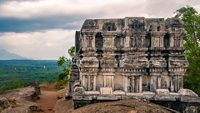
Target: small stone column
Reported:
point(112, 82)
point(181, 82)
point(171, 84)
point(132, 83)
point(94, 86)
point(89, 82)
point(125, 83)
point(127, 42)
point(140, 84)
point(83, 80)
point(104, 81)
point(159, 82)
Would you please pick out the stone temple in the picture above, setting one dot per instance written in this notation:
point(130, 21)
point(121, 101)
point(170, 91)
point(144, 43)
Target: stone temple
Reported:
point(132, 57)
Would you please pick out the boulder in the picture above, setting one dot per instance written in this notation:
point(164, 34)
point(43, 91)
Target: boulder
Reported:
point(4, 103)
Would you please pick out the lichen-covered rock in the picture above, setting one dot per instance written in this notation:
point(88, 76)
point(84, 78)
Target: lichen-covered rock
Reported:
point(4, 103)
point(191, 109)
point(29, 93)
point(19, 101)
point(34, 107)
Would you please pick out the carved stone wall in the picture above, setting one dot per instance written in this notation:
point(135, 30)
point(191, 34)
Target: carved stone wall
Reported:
point(131, 55)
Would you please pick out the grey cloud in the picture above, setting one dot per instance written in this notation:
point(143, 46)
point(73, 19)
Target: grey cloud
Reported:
point(36, 24)
point(47, 44)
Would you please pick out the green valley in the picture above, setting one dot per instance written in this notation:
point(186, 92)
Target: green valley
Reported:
point(19, 73)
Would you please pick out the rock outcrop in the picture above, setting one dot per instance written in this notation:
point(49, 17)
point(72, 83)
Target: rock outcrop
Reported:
point(19, 101)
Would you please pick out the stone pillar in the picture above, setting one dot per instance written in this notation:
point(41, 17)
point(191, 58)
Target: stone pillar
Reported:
point(125, 83)
point(93, 41)
point(153, 83)
point(181, 42)
point(94, 86)
point(84, 41)
point(83, 80)
point(152, 41)
point(89, 83)
point(113, 42)
point(181, 82)
point(159, 82)
point(112, 82)
point(161, 42)
point(143, 41)
point(127, 42)
point(140, 84)
point(171, 84)
point(132, 83)
point(172, 41)
point(104, 81)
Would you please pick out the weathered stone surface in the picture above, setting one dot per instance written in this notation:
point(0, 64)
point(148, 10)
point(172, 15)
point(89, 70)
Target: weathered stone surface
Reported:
point(4, 103)
point(92, 92)
point(148, 95)
point(79, 91)
point(26, 108)
point(20, 101)
point(133, 54)
point(106, 91)
point(187, 92)
point(131, 57)
point(119, 92)
point(162, 92)
point(191, 109)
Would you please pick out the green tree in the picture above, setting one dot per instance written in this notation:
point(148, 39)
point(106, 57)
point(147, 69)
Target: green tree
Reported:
point(65, 63)
point(191, 22)
point(71, 51)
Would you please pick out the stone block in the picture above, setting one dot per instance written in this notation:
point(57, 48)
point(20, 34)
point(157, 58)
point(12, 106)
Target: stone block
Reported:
point(148, 95)
point(119, 92)
point(92, 92)
point(107, 98)
point(187, 92)
point(162, 92)
point(106, 91)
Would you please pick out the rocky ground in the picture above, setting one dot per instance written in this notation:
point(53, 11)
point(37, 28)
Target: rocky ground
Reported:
point(25, 100)
point(124, 106)
point(19, 101)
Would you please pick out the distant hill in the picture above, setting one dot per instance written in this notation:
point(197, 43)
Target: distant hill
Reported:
point(5, 55)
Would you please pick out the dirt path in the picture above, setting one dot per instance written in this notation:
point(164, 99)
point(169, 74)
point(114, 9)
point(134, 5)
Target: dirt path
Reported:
point(48, 100)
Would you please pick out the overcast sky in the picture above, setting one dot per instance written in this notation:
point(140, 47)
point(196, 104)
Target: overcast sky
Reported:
point(45, 29)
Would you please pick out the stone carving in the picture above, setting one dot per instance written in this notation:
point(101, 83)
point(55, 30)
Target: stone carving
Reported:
point(109, 26)
point(132, 56)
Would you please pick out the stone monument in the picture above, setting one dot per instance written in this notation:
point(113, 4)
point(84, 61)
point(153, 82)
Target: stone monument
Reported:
point(132, 57)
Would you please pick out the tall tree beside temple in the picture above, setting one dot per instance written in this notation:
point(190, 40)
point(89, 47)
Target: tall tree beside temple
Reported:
point(191, 22)
point(65, 64)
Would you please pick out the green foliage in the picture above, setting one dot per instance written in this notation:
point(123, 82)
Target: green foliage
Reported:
point(191, 22)
point(65, 64)
point(19, 73)
point(13, 83)
point(71, 51)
